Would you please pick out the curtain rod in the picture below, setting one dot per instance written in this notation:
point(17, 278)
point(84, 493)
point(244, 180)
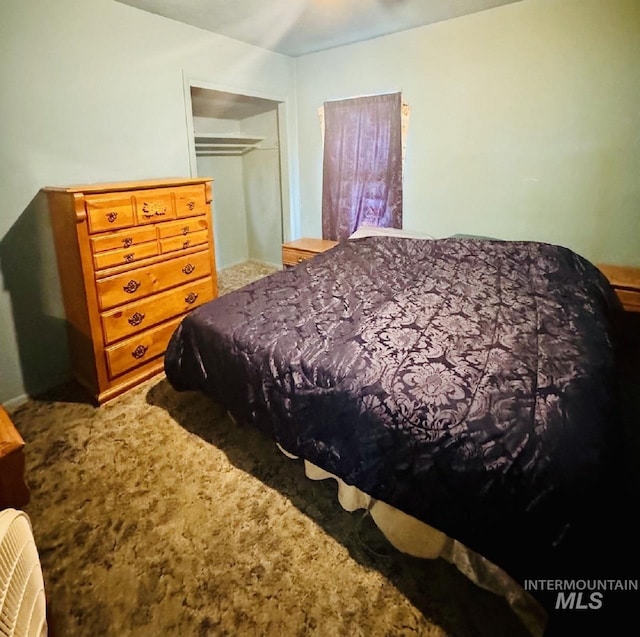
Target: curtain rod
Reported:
point(355, 97)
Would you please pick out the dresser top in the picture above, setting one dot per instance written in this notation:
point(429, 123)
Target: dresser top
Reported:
point(310, 244)
point(621, 276)
point(131, 185)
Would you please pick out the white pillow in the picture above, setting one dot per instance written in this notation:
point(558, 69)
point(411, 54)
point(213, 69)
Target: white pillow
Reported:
point(375, 231)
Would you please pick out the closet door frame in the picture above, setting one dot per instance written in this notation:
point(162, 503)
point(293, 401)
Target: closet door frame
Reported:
point(286, 132)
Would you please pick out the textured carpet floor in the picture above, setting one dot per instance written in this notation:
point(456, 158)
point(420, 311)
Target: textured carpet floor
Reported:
point(155, 515)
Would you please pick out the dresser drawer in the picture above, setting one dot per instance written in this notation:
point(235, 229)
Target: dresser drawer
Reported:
point(139, 349)
point(111, 258)
point(293, 257)
point(109, 211)
point(630, 299)
point(122, 239)
point(172, 244)
point(135, 317)
point(191, 200)
point(141, 282)
point(153, 205)
point(300, 250)
point(182, 227)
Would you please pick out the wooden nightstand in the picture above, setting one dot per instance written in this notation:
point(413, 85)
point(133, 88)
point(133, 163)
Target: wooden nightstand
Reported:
point(625, 280)
point(300, 250)
point(13, 489)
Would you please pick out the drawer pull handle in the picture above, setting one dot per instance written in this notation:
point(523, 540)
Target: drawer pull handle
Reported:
point(131, 287)
point(127, 242)
point(189, 268)
point(191, 205)
point(136, 319)
point(139, 351)
point(191, 298)
point(185, 230)
point(300, 259)
point(129, 257)
point(112, 216)
point(153, 209)
point(186, 244)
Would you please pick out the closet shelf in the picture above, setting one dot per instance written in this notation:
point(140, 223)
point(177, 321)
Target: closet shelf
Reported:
point(221, 144)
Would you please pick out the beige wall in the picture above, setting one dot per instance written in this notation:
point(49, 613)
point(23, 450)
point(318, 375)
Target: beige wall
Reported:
point(229, 206)
point(247, 191)
point(525, 123)
point(262, 190)
point(92, 90)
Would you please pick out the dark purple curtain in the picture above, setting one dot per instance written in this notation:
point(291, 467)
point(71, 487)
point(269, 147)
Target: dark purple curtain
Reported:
point(362, 167)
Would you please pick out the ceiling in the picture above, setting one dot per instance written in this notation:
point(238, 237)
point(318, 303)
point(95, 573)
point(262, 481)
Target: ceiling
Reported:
point(300, 27)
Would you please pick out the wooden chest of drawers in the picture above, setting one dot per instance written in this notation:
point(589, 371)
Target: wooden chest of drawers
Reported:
point(133, 258)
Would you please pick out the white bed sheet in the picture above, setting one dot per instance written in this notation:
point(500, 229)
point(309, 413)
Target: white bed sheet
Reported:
point(411, 536)
point(375, 231)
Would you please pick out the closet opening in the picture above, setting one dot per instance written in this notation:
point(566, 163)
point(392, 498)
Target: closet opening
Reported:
point(236, 139)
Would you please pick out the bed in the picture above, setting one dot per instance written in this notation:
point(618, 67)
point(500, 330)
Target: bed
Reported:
point(467, 384)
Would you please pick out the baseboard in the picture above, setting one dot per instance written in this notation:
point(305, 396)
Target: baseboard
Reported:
point(14, 403)
point(226, 266)
point(277, 266)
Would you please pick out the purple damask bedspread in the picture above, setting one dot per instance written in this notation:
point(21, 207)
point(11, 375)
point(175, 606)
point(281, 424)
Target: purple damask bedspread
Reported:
point(468, 383)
